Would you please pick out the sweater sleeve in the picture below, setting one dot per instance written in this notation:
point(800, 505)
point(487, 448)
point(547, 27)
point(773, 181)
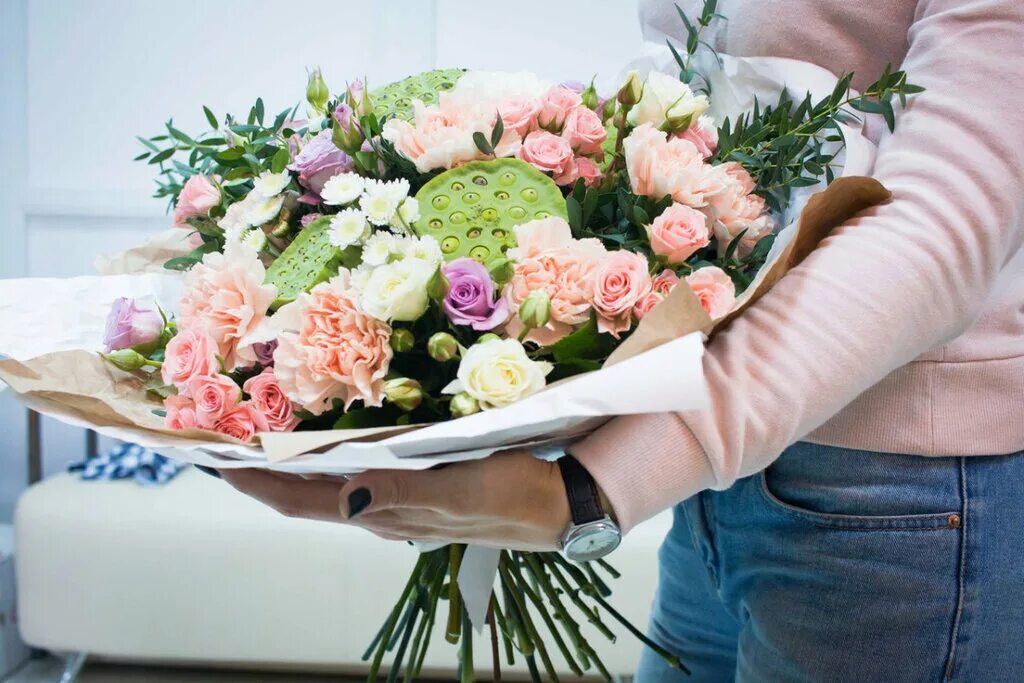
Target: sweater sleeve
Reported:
point(891, 284)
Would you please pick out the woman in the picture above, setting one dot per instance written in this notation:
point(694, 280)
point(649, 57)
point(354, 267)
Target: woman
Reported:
point(850, 556)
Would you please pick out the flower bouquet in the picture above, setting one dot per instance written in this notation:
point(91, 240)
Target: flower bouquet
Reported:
point(458, 246)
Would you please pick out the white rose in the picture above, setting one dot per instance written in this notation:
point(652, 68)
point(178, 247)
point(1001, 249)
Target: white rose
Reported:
point(666, 97)
point(498, 372)
point(342, 189)
point(398, 291)
point(348, 227)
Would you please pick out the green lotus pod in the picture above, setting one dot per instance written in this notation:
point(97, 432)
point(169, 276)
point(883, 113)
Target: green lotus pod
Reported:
point(472, 210)
point(395, 99)
point(309, 260)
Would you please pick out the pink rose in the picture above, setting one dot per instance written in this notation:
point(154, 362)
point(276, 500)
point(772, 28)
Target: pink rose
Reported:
point(677, 233)
point(664, 282)
point(714, 289)
point(181, 413)
point(735, 208)
point(555, 107)
point(703, 135)
point(589, 171)
point(241, 421)
point(267, 397)
point(190, 353)
point(225, 296)
point(329, 348)
point(547, 152)
point(621, 282)
point(197, 197)
point(658, 167)
point(585, 132)
point(644, 306)
point(519, 115)
point(213, 396)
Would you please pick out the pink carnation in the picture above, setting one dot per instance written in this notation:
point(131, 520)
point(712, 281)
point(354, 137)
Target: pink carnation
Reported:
point(621, 282)
point(547, 258)
point(190, 353)
point(658, 167)
point(213, 396)
point(181, 413)
point(225, 296)
point(267, 397)
point(242, 421)
point(328, 348)
point(677, 233)
point(555, 107)
point(197, 197)
point(714, 289)
point(735, 209)
point(585, 132)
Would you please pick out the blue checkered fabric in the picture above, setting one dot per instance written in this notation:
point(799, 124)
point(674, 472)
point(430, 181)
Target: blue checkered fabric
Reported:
point(129, 461)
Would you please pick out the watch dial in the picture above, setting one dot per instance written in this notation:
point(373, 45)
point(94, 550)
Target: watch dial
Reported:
point(593, 545)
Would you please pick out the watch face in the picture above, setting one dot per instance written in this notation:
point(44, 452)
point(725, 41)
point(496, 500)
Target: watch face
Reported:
point(593, 544)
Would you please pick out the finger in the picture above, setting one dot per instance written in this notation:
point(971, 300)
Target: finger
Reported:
point(292, 496)
point(389, 489)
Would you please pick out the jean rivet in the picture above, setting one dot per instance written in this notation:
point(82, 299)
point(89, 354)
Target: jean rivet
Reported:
point(954, 521)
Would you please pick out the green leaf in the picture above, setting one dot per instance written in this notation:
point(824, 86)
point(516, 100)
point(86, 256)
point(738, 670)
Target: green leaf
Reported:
point(180, 263)
point(585, 343)
point(575, 211)
point(147, 144)
point(482, 144)
point(259, 110)
point(498, 131)
point(210, 117)
point(142, 156)
point(280, 160)
point(162, 156)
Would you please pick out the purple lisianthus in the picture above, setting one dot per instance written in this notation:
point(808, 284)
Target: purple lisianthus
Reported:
point(309, 218)
point(128, 326)
point(470, 299)
point(264, 352)
point(318, 161)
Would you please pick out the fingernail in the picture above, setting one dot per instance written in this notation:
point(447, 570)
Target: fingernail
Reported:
point(208, 470)
point(358, 501)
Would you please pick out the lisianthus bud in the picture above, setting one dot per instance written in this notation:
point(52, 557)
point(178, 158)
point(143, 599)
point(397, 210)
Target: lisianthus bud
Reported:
point(501, 270)
point(490, 336)
point(317, 93)
point(590, 96)
point(631, 91)
point(535, 311)
point(463, 404)
point(437, 287)
point(345, 134)
point(405, 393)
point(442, 347)
point(126, 359)
point(402, 340)
point(359, 98)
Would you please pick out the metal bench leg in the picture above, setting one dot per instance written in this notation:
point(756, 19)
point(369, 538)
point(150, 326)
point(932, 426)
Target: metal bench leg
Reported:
point(72, 666)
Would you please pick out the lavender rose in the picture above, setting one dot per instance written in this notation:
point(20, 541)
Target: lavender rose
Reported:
point(129, 326)
point(264, 352)
point(319, 161)
point(470, 300)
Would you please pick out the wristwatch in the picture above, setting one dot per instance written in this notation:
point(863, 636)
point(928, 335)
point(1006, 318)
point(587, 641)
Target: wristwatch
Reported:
point(592, 534)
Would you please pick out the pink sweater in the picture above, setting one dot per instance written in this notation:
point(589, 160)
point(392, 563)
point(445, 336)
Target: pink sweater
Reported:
point(904, 332)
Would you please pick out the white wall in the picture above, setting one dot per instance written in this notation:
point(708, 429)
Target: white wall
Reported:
point(80, 78)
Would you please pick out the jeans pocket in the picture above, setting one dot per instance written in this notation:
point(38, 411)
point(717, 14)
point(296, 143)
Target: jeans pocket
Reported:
point(843, 489)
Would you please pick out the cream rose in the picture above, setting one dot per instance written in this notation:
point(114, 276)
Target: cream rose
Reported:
point(666, 97)
point(498, 372)
point(398, 291)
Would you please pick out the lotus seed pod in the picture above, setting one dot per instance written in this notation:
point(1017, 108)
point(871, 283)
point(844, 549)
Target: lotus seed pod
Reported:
point(535, 311)
point(126, 359)
point(501, 270)
point(402, 340)
point(463, 404)
point(473, 210)
point(395, 99)
point(309, 260)
point(317, 93)
point(490, 336)
point(442, 347)
point(405, 393)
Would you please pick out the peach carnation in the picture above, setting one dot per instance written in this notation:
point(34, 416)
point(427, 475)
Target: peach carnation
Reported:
point(714, 289)
point(329, 348)
point(225, 297)
point(735, 208)
point(658, 167)
point(621, 282)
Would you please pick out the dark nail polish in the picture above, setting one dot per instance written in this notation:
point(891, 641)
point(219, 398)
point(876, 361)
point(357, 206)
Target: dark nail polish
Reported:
point(208, 470)
point(358, 501)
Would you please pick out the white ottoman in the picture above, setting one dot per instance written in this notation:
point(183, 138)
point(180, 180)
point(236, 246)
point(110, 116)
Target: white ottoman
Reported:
point(194, 572)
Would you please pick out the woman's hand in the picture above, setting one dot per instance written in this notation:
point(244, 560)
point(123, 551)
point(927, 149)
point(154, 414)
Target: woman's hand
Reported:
point(511, 500)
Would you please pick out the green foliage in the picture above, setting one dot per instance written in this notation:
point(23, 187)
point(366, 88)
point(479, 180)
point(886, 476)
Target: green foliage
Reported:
point(694, 30)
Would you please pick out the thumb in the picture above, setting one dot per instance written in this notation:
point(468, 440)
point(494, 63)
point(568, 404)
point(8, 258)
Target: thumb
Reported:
point(382, 490)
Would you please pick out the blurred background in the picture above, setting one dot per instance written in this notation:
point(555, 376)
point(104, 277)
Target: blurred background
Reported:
point(191, 573)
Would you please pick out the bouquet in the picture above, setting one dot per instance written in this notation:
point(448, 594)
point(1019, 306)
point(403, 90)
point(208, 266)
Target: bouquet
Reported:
point(452, 245)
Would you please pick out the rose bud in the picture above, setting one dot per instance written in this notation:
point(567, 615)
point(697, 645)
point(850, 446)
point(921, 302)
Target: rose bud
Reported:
point(437, 287)
point(442, 347)
point(490, 336)
point(317, 93)
point(402, 340)
point(535, 311)
point(126, 360)
point(463, 404)
point(405, 393)
point(631, 91)
point(501, 270)
point(590, 97)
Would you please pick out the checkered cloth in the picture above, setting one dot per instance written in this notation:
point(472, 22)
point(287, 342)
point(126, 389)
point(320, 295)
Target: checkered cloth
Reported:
point(129, 461)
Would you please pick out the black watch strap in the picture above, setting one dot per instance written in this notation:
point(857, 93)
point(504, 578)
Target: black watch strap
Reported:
point(584, 499)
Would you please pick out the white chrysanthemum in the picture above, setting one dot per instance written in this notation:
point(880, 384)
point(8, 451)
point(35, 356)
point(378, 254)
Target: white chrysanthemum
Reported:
point(262, 209)
point(381, 200)
point(407, 215)
point(358, 277)
point(498, 372)
point(398, 291)
point(379, 248)
point(342, 189)
point(254, 238)
point(235, 217)
point(348, 227)
point(271, 184)
point(424, 249)
point(486, 87)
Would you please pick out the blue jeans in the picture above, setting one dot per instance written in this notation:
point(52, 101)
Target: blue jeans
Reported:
point(845, 565)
